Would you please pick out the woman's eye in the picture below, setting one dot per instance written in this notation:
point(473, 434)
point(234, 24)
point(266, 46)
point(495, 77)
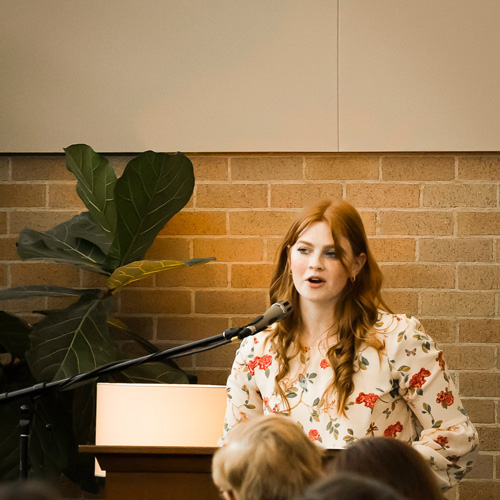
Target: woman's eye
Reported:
point(331, 255)
point(302, 250)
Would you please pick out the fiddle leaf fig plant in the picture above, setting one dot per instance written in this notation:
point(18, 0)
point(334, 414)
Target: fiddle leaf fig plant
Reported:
point(124, 215)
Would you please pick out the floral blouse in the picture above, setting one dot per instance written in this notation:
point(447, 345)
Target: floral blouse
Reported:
point(406, 394)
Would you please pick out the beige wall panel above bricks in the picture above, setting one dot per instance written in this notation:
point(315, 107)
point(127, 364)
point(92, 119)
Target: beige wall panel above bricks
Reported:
point(210, 168)
point(230, 302)
point(402, 302)
point(416, 223)
point(39, 220)
point(383, 195)
point(418, 276)
point(189, 328)
point(173, 248)
point(458, 303)
point(65, 196)
point(342, 167)
point(267, 168)
point(479, 384)
point(155, 301)
point(393, 249)
point(38, 273)
point(478, 277)
point(455, 250)
point(34, 168)
point(460, 195)
point(203, 275)
point(479, 331)
point(231, 195)
point(481, 411)
point(16, 195)
point(229, 249)
point(8, 249)
point(302, 195)
point(477, 167)
point(251, 275)
point(5, 169)
point(196, 223)
point(418, 168)
point(260, 223)
point(441, 330)
point(467, 357)
point(481, 223)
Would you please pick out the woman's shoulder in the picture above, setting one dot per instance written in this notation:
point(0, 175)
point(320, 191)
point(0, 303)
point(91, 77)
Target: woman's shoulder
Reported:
point(395, 330)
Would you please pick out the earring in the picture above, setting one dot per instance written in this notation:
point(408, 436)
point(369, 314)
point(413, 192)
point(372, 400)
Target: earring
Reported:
point(353, 279)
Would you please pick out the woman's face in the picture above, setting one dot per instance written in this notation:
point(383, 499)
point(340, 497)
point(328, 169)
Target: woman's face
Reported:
point(318, 275)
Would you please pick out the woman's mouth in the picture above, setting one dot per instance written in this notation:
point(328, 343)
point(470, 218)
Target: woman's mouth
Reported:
point(315, 280)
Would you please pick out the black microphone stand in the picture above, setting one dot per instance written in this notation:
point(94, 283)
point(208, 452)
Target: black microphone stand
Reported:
point(29, 394)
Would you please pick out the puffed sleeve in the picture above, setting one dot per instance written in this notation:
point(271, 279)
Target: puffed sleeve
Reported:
point(243, 397)
point(447, 438)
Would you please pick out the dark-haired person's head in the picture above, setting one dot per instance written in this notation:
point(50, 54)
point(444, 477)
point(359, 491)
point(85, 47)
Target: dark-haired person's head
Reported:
point(392, 462)
point(350, 486)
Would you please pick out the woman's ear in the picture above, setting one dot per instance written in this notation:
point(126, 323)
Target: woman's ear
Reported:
point(358, 263)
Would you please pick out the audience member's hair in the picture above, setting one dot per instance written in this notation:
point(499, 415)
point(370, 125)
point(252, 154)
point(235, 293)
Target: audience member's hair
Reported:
point(266, 458)
point(27, 490)
point(393, 462)
point(350, 486)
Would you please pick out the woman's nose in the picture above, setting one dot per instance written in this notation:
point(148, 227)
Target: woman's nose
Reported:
point(315, 262)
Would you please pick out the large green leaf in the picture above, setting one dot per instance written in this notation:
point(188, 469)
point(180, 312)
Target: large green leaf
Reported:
point(72, 341)
point(96, 184)
point(141, 269)
point(151, 190)
point(152, 373)
point(60, 244)
point(85, 227)
point(27, 292)
point(14, 334)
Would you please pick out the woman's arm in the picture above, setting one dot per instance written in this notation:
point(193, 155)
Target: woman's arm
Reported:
point(243, 397)
point(447, 439)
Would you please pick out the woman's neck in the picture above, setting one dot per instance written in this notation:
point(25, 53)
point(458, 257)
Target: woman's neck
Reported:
point(317, 321)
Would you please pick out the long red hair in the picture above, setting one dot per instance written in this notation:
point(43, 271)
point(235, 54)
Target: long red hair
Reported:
point(356, 309)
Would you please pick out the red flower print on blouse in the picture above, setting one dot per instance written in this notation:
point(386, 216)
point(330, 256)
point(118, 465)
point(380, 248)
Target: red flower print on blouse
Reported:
point(392, 430)
point(313, 435)
point(445, 398)
point(252, 364)
point(265, 401)
point(418, 380)
point(324, 363)
point(440, 360)
point(441, 440)
point(265, 362)
point(368, 399)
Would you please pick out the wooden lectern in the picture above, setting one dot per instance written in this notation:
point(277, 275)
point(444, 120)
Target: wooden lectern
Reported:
point(156, 472)
point(156, 441)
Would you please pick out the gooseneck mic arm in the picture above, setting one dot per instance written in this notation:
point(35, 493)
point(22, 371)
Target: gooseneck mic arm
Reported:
point(275, 313)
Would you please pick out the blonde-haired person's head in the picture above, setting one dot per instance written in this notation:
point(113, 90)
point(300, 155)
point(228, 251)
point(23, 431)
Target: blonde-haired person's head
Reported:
point(266, 458)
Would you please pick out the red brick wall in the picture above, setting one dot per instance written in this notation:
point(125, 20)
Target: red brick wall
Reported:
point(434, 224)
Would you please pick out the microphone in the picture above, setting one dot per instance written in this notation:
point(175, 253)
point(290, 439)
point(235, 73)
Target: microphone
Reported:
point(277, 312)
